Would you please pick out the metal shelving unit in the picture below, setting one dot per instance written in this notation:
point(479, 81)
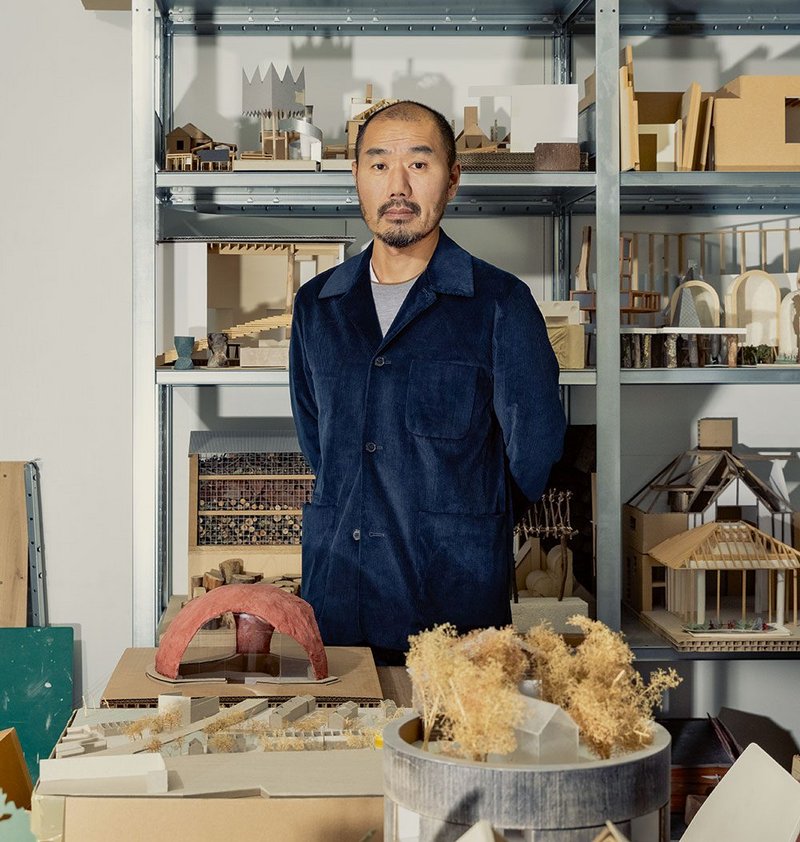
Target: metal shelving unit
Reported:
point(304, 194)
point(331, 194)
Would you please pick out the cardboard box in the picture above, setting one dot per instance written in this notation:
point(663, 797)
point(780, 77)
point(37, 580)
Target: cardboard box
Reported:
point(641, 577)
point(643, 530)
point(716, 433)
point(757, 124)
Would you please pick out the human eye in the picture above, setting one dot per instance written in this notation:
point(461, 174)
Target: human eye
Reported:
point(419, 165)
point(378, 165)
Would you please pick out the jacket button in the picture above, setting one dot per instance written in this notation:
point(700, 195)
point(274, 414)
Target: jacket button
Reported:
point(356, 534)
point(371, 447)
point(379, 361)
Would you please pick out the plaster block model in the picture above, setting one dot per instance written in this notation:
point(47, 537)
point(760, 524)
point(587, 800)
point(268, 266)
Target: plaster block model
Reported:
point(546, 734)
point(343, 716)
point(789, 326)
point(757, 124)
point(753, 302)
point(539, 113)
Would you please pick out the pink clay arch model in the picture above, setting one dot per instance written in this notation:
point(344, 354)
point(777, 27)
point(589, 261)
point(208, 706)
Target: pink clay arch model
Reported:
point(281, 611)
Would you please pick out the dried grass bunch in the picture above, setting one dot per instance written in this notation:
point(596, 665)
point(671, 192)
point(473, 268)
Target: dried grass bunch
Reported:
point(467, 687)
point(596, 684)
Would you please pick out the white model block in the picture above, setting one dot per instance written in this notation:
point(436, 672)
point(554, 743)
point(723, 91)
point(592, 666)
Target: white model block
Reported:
point(530, 611)
point(169, 704)
point(203, 708)
point(343, 716)
point(561, 312)
point(190, 285)
point(539, 113)
point(143, 767)
point(269, 356)
point(547, 734)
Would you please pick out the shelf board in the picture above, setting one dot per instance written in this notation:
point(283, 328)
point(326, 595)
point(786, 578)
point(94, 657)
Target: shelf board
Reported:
point(685, 192)
point(334, 194)
point(202, 376)
point(762, 375)
point(709, 17)
point(378, 17)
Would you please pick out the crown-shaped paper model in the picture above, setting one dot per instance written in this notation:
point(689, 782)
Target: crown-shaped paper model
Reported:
point(268, 95)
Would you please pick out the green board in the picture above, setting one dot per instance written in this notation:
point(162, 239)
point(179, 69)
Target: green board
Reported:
point(36, 687)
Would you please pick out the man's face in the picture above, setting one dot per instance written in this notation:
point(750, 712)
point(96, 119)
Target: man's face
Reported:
point(403, 180)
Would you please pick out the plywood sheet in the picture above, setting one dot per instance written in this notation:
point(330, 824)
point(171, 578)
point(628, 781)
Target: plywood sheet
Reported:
point(13, 546)
point(15, 779)
point(690, 116)
point(354, 666)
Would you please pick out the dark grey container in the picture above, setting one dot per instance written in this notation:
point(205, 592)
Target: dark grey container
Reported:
point(545, 803)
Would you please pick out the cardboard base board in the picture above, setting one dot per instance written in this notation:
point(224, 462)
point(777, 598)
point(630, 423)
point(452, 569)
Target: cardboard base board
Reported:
point(130, 686)
point(670, 627)
point(159, 820)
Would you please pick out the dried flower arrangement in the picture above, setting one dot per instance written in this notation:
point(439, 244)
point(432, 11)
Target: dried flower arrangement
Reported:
point(466, 687)
point(596, 684)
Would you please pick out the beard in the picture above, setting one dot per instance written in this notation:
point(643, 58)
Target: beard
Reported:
point(400, 235)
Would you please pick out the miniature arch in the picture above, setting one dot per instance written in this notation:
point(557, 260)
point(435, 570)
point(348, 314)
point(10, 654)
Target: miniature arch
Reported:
point(789, 330)
point(737, 317)
point(706, 295)
point(281, 611)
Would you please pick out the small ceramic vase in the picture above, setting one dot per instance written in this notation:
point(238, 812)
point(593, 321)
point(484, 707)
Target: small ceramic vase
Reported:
point(184, 345)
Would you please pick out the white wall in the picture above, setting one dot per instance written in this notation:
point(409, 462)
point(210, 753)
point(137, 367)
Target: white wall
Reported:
point(65, 307)
point(65, 280)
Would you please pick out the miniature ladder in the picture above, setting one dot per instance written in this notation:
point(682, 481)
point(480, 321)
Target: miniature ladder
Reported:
point(37, 614)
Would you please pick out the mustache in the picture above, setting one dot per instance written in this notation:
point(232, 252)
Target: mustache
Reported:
point(402, 203)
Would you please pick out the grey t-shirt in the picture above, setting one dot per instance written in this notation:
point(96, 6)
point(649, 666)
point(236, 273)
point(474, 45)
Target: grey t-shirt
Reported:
point(388, 298)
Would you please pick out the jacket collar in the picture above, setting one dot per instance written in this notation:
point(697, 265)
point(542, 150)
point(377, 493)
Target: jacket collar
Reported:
point(449, 271)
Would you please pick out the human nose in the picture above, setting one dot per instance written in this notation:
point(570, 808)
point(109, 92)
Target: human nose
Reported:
point(399, 184)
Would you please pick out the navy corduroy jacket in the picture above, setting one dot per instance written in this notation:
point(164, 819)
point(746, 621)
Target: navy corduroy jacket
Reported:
point(417, 440)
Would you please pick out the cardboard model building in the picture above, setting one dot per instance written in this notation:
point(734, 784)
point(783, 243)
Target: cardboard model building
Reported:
point(731, 550)
point(190, 149)
point(703, 487)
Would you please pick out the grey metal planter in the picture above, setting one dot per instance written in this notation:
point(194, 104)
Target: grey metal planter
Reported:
point(545, 803)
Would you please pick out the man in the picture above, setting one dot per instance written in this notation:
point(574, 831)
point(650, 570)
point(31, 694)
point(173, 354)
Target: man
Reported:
point(425, 394)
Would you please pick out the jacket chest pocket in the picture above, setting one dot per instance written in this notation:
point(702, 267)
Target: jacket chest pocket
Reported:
point(441, 396)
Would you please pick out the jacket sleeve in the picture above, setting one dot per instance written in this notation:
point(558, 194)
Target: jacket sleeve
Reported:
point(526, 395)
point(301, 388)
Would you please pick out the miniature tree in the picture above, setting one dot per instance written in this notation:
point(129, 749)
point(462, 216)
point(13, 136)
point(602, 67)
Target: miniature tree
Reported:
point(596, 684)
point(468, 687)
point(429, 662)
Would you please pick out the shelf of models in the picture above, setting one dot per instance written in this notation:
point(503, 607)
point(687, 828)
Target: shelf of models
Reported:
point(378, 17)
point(202, 376)
point(764, 374)
point(731, 192)
point(334, 194)
point(708, 17)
